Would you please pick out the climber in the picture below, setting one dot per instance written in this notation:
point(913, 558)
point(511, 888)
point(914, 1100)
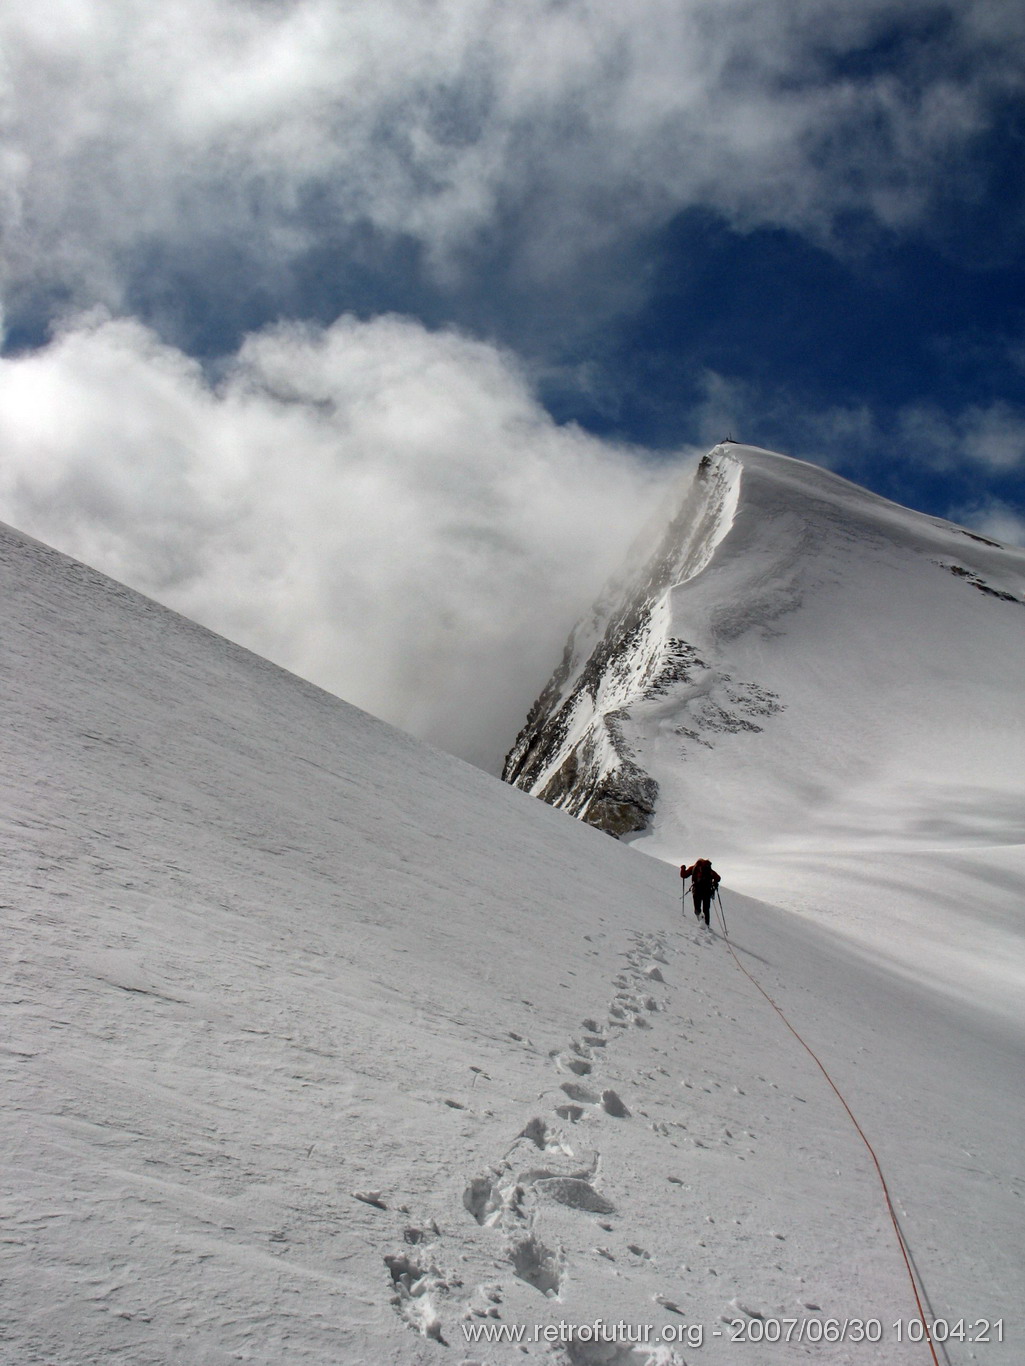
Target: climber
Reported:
point(703, 882)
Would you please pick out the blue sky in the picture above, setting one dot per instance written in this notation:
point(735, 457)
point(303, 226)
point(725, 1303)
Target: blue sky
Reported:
point(502, 264)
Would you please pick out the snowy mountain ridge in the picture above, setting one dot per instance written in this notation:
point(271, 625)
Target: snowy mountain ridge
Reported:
point(571, 752)
point(817, 688)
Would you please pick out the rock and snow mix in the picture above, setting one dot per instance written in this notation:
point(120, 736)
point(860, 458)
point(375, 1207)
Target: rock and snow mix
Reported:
point(822, 691)
point(318, 1045)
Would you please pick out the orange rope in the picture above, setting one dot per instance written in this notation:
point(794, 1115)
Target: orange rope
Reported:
point(861, 1133)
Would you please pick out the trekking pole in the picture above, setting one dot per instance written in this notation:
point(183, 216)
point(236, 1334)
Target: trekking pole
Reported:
point(721, 916)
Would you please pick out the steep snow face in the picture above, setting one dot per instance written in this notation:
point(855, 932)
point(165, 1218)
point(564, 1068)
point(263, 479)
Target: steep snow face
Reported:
point(821, 691)
point(572, 752)
point(318, 1046)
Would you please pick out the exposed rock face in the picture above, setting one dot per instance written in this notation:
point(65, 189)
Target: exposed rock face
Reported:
point(572, 752)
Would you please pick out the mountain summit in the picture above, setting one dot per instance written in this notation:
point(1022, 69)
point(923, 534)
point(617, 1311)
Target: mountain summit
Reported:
point(807, 682)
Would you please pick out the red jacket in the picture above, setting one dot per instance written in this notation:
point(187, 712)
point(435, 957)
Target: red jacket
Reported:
point(704, 876)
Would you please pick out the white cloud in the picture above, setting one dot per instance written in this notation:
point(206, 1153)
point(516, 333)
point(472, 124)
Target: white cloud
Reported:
point(747, 412)
point(995, 519)
point(383, 509)
point(990, 435)
point(132, 127)
point(995, 435)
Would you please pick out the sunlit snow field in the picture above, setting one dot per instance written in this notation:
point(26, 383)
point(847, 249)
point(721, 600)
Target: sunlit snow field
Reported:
point(321, 1046)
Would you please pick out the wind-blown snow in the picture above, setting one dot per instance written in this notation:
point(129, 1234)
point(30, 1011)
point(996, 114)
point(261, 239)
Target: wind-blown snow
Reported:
point(318, 1045)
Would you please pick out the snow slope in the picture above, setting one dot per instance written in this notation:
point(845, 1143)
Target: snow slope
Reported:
point(821, 691)
point(264, 955)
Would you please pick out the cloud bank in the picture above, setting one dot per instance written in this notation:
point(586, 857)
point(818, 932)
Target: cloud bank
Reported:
point(386, 510)
point(250, 134)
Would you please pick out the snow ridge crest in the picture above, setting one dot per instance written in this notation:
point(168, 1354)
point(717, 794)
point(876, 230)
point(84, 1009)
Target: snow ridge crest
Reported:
point(572, 752)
